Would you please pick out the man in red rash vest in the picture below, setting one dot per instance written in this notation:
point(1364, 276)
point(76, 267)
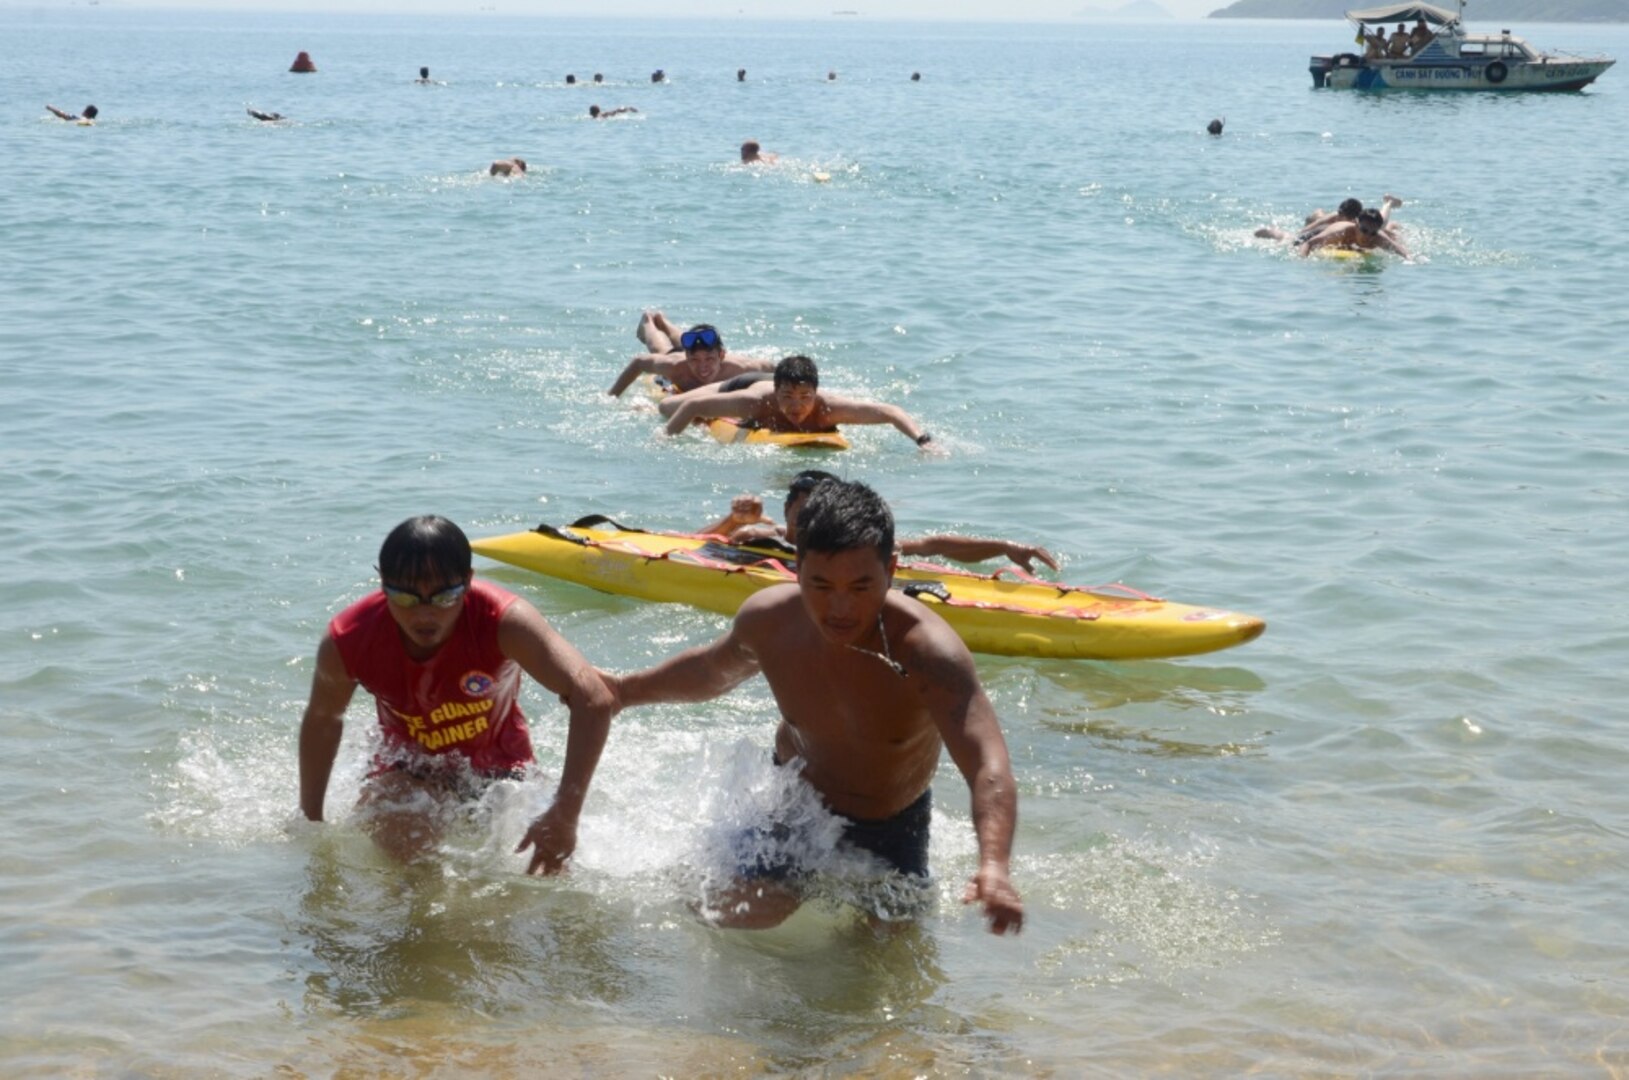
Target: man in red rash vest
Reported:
point(442, 655)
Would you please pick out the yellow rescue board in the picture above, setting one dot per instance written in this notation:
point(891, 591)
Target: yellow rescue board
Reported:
point(993, 614)
point(731, 431)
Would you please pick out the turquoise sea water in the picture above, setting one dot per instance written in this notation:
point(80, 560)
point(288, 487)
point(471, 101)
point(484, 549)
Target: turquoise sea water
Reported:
point(1388, 837)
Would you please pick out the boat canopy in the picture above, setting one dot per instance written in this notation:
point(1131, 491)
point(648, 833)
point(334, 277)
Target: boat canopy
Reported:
point(1404, 13)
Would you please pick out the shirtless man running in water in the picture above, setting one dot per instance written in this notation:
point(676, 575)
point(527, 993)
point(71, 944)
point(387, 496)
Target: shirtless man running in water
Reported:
point(870, 685)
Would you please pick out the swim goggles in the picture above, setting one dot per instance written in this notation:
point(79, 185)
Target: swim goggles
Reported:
point(704, 336)
point(408, 598)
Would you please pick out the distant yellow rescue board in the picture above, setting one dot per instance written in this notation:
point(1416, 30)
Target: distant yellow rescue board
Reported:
point(997, 614)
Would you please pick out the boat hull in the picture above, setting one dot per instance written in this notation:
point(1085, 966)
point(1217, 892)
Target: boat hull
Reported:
point(1494, 75)
point(992, 614)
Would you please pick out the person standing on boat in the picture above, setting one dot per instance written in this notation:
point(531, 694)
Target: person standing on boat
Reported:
point(1397, 47)
point(443, 655)
point(1376, 47)
point(1421, 36)
point(746, 524)
point(870, 687)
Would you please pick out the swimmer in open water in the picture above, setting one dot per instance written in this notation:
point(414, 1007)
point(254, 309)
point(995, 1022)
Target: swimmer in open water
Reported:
point(688, 360)
point(508, 167)
point(84, 119)
point(871, 688)
point(1319, 220)
point(753, 154)
point(602, 114)
point(790, 402)
point(1367, 233)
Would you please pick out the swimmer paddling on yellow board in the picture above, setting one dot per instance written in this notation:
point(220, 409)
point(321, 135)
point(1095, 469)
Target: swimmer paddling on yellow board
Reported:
point(790, 403)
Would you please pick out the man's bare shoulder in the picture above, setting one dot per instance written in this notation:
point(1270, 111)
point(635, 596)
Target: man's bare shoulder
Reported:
point(931, 646)
point(769, 606)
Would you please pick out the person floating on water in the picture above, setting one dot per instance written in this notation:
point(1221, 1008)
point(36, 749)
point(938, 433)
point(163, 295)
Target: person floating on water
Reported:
point(508, 167)
point(571, 80)
point(1365, 234)
point(603, 114)
point(443, 655)
point(658, 76)
point(870, 686)
point(1215, 126)
point(791, 402)
point(267, 117)
point(598, 77)
point(753, 154)
point(1345, 214)
point(85, 118)
point(693, 359)
point(746, 524)
point(424, 76)
point(740, 74)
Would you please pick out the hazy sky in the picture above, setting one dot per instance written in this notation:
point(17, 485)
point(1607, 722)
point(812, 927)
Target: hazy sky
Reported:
point(1003, 10)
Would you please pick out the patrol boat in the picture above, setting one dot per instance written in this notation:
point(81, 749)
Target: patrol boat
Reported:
point(1453, 59)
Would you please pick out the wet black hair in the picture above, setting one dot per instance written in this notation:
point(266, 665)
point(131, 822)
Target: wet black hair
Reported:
point(424, 73)
point(740, 74)
point(90, 112)
point(1350, 208)
point(593, 110)
point(425, 548)
point(571, 80)
point(841, 515)
point(806, 481)
point(598, 77)
point(1372, 218)
point(797, 369)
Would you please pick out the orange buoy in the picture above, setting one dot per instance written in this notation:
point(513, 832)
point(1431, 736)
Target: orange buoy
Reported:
point(303, 64)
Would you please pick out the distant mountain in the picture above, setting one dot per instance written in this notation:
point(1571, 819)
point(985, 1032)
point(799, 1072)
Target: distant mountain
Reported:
point(1477, 13)
point(1140, 10)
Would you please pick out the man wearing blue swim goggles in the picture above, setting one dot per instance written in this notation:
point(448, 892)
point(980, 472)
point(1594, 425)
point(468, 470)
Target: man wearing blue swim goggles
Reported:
point(684, 361)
